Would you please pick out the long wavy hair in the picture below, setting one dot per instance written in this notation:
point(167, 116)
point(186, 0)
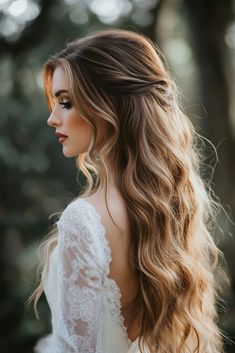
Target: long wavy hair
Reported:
point(121, 77)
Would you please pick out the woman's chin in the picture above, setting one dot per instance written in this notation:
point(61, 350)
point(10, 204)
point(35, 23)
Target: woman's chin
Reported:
point(68, 153)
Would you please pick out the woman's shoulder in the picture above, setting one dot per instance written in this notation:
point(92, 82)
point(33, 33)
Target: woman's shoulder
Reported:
point(81, 236)
point(78, 208)
point(114, 209)
point(90, 215)
point(80, 215)
point(80, 227)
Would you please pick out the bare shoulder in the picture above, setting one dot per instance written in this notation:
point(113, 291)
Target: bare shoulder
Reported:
point(117, 209)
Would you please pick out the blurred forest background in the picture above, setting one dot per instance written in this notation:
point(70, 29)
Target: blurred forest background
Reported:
point(198, 39)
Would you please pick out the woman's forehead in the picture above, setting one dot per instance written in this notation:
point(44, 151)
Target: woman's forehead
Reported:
point(59, 82)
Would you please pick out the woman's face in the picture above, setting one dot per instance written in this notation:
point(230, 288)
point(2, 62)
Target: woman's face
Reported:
point(66, 120)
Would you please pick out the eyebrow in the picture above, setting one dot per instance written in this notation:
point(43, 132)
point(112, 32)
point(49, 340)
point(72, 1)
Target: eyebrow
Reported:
point(58, 93)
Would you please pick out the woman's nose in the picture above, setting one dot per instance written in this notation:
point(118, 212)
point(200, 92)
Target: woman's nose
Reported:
point(52, 120)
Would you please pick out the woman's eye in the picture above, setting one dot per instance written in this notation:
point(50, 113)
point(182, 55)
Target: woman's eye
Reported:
point(66, 105)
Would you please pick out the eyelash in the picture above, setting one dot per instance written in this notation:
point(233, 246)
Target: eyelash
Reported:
point(66, 105)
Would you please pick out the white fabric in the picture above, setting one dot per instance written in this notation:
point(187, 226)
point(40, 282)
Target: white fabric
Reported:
point(84, 302)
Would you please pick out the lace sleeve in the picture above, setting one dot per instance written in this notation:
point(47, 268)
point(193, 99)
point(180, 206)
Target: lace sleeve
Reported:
point(79, 285)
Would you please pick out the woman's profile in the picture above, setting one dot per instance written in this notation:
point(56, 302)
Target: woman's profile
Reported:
point(129, 266)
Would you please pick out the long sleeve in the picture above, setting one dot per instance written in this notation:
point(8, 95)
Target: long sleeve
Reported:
point(79, 325)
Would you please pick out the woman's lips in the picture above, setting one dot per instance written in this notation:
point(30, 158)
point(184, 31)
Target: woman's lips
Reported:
point(62, 137)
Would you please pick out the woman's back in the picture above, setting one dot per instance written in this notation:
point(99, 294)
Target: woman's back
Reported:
point(120, 268)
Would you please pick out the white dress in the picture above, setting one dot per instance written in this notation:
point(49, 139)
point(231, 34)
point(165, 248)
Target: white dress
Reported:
point(84, 302)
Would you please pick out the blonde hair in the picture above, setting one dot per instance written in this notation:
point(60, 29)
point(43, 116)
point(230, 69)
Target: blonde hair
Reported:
point(121, 77)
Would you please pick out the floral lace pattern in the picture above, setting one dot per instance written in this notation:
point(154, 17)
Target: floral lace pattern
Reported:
point(79, 286)
point(83, 268)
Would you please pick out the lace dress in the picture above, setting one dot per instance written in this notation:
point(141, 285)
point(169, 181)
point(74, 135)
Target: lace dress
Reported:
point(84, 302)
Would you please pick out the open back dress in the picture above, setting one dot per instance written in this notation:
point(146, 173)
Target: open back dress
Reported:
point(84, 301)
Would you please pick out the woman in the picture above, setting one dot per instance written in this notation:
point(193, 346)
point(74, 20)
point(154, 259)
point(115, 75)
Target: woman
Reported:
point(130, 265)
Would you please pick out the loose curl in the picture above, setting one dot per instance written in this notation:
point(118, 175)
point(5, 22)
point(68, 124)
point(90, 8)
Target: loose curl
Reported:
point(121, 77)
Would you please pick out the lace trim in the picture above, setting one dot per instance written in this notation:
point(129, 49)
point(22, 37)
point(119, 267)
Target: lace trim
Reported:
point(112, 287)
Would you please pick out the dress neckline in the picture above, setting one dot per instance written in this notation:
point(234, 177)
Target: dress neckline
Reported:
point(112, 282)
